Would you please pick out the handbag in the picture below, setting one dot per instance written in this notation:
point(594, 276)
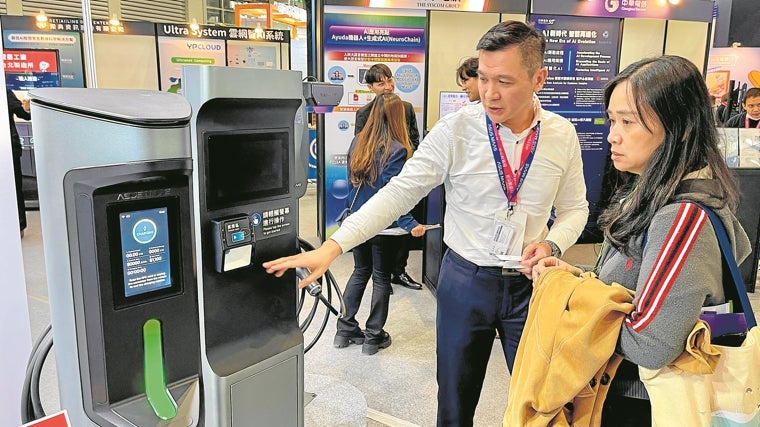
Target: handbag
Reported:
point(349, 210)
point(719, 386)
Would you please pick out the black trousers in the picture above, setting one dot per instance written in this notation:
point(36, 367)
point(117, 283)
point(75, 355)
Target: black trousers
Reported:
point(19, 186)
point(372, 259)
point(401, 244)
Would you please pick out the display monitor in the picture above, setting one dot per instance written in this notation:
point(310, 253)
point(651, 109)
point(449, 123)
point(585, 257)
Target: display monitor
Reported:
point(246, 165)
point(450, 102)
point(27, 69)
point(145, 250)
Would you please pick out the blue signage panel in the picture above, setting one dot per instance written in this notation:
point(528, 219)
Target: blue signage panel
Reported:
point(582, 56)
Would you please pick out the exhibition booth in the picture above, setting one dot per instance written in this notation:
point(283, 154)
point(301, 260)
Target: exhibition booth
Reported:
point(208, 87)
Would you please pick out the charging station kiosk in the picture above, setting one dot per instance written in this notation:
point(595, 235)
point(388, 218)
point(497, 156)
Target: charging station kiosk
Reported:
point(115, 189)
point(250, 150)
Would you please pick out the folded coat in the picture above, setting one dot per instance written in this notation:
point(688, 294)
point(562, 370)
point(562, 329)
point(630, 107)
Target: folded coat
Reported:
point(566, 360)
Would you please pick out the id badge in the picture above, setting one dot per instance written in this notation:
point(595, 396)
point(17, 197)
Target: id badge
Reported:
point(508, 234)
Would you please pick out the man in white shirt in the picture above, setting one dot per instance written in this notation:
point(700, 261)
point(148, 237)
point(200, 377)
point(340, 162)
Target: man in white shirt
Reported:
point(504, 163)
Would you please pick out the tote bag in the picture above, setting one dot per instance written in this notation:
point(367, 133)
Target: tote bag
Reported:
point(726, 393)
point(730, 396)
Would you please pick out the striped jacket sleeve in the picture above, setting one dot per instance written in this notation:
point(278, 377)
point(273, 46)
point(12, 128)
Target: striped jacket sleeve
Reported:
point(680, 268)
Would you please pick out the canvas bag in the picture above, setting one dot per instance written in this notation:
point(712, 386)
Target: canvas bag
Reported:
point(714, 391)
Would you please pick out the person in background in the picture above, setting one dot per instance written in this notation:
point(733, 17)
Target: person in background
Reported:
point(664, 144)
point(379, 80)
point(720, 109)
point(750, 117)
point(21, 110)
point(504, 164)
point(467, 78)
point(376, 155)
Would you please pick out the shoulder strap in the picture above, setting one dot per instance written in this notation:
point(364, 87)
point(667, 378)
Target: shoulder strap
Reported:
point(351, 208)
point(738, 291)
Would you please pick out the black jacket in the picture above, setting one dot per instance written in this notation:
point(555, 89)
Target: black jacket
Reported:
point(737, 121)
point(14, 107)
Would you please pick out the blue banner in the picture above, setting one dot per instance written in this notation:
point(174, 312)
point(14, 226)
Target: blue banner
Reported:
point(582, 56)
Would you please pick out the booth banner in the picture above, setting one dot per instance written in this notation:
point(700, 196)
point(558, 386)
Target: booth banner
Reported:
point(60, 34)
point(253, 55)
point(356, 39)
point(739, 64)
point(30, 69)
point(685, 10)
point(180, 45)
point(184, 44)
point(582, 56)
point(458, 5)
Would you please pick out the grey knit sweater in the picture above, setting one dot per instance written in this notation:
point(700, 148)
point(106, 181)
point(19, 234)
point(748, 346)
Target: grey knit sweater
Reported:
point(674, 274)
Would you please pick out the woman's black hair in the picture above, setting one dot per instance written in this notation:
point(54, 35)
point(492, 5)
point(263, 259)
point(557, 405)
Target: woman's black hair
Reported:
point(671, 90)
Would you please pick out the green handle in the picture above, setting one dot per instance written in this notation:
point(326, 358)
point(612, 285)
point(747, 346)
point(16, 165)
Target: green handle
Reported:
point(155, 379)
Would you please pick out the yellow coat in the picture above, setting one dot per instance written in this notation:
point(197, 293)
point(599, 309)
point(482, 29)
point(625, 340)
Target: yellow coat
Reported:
point(566, 360)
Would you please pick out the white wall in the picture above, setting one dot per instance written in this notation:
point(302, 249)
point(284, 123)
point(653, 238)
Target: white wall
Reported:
point(126, 61)
point(687, 39)
point(641, 38)
point(452, 37)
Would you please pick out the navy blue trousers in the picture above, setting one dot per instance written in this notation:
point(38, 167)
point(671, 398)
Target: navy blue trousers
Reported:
point(473, 302)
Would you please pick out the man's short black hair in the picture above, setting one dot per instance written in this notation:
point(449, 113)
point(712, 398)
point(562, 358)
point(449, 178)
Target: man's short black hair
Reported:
point(376, 73)
point(515, 33)
point(752, 92)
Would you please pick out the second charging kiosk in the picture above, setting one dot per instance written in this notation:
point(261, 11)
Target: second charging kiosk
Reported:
point(250, 168)
point(157, 212)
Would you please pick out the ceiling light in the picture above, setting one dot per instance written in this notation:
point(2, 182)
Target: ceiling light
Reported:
point(41, 20)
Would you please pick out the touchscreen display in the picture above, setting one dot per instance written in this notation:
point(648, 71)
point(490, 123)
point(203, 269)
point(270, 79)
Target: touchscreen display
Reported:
point(145, 250)
point(246, 166)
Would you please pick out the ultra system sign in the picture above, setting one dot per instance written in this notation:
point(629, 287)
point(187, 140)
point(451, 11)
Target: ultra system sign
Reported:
point(179, 45)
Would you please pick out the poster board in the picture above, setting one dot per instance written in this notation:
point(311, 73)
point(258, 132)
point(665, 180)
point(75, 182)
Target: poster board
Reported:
point(27, 69)
point(450, 102)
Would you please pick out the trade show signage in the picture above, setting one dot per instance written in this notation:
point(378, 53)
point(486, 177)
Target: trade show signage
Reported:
point(453, 5)
point(29, 69)
point(686, 10)
point(724, 64)
point(356, 39)
point(61, 34)
point(581, 56)
point(180, 45)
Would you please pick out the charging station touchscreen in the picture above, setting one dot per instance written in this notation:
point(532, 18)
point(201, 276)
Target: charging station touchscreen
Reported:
point(145, 250)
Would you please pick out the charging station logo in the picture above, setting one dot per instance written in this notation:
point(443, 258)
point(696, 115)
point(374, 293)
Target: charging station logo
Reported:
point(144, 231)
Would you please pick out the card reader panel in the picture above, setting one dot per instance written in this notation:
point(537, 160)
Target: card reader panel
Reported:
point(233, 242)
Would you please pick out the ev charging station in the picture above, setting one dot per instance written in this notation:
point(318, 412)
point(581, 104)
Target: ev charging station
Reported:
point(157, 211)
point(114, 178)
point(250, 154)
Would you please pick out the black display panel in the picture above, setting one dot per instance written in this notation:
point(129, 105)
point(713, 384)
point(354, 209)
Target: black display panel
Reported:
point(246, 166)
point(145, 251)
